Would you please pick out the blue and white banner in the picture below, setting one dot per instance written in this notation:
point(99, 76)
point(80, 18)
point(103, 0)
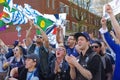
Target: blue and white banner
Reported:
point(16, 16)
point(60, 20)
point(30, 12)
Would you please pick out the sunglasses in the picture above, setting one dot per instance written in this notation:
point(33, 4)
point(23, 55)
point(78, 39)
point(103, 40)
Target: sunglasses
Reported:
point(15, 49)
point(39, 36)
point(60, 49)
point(94, 46)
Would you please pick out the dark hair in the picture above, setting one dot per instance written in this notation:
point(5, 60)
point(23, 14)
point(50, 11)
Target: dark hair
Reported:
point(97, 42)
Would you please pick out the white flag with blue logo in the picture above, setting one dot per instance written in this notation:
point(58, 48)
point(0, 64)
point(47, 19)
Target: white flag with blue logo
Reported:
point(60, 20)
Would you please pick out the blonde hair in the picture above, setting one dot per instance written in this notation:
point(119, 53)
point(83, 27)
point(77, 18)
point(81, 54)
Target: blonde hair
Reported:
point(62, 45)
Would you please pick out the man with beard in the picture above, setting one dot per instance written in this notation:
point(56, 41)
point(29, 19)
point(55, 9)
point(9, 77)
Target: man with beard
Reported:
point(39, 47)
point(70, 46)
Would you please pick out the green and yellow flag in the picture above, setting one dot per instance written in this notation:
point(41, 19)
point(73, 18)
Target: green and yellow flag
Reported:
point(44, 23)
point(2, 2)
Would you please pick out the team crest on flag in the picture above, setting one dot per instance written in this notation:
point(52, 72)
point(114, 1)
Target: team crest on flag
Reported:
point(58, 19)
point(42, 22)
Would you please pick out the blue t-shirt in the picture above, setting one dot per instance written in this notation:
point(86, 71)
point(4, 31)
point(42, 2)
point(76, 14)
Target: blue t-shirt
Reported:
point(71, 51)
point(36, 51)
point(31, 76)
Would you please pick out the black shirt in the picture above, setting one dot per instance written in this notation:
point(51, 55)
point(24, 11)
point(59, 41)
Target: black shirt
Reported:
point(92, 62)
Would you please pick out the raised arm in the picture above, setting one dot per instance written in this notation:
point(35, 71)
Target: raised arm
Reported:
point(114, 22)
point(28, 33)
point(59, 35)
point(45, 37)
point(106, 36)
point(114, 37)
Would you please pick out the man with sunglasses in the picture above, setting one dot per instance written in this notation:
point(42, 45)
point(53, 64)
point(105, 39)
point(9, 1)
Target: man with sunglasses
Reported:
point(96, 46)
point(100, 48)
point(39, 47)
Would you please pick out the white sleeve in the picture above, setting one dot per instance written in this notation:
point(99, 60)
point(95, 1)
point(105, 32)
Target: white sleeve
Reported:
point(102, 31)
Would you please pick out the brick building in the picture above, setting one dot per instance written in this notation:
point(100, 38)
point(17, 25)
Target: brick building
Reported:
point(47, 7)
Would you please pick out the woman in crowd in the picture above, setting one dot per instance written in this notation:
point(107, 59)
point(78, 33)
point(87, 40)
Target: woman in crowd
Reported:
point(59, 67)
point(17, 60)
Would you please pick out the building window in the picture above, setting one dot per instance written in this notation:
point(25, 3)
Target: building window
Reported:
point(48, 3)
point(53, 4)
point(67, 9)
point(76, 13)
point(62, 7)
point(70, 0)
point(67, 25)
point(74, 26)
point(75, 2)
point(84, 28)
point(72, 12)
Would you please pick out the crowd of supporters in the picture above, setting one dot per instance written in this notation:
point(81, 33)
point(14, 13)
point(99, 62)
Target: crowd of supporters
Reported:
point(81, 58)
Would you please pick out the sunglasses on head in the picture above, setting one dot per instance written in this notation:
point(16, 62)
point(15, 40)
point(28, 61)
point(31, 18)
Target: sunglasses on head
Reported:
point(94, 46)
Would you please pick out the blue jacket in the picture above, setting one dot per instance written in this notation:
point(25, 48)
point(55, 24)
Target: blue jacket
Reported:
point(116, 48)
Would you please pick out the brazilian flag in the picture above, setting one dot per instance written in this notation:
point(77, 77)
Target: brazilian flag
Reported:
point(42, 22)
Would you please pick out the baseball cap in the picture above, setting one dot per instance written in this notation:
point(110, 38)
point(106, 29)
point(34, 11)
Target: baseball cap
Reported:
point(16, 42)
point(34, 57)
point(97, 42)
point(84, 34)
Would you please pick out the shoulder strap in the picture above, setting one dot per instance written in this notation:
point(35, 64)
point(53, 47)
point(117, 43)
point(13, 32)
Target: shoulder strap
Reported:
point(91, 56)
